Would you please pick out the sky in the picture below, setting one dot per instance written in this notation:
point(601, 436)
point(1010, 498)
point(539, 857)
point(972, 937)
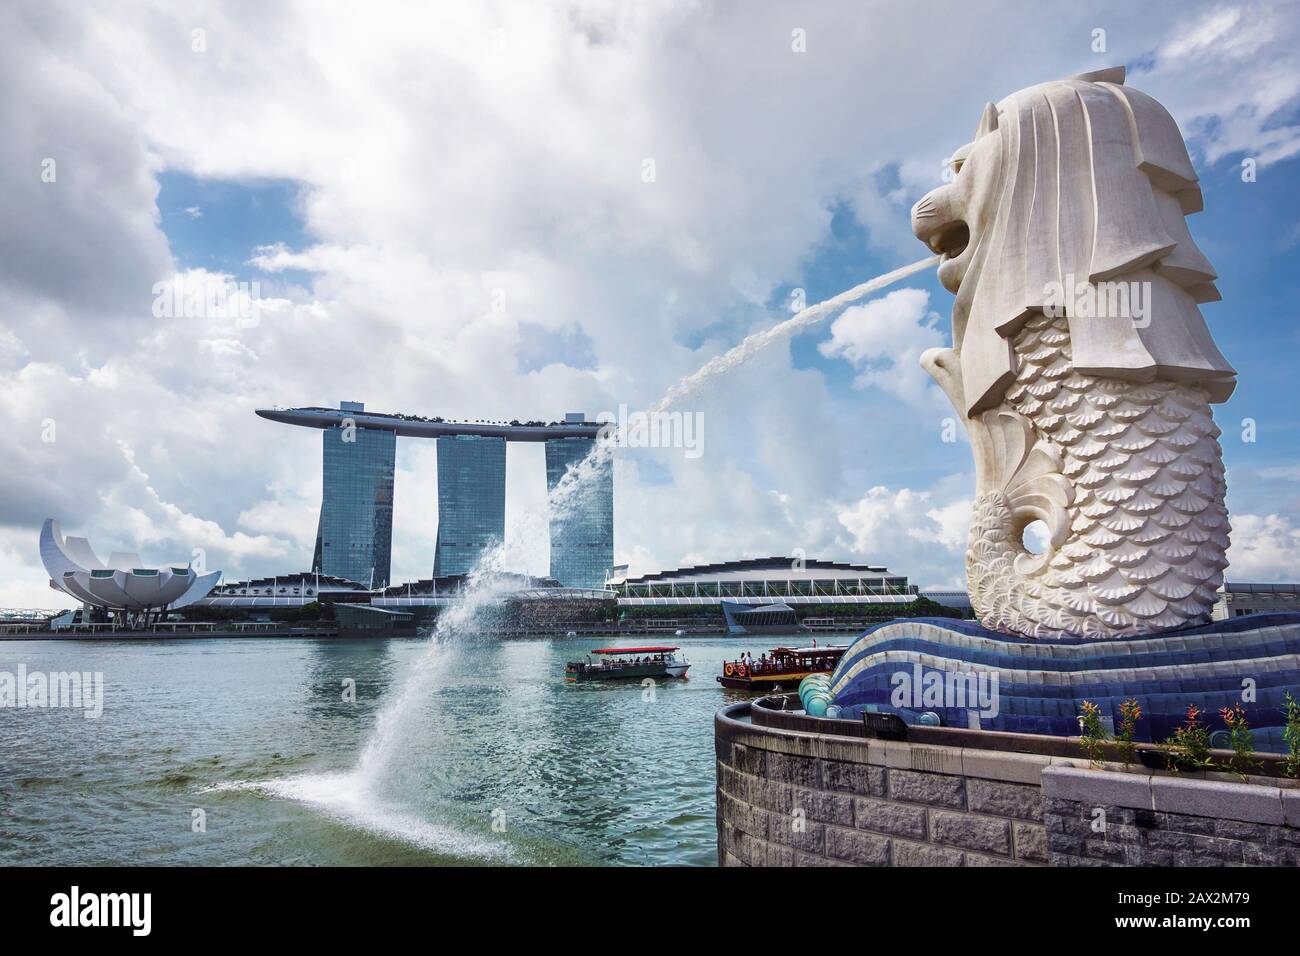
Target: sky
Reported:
point(508, 210)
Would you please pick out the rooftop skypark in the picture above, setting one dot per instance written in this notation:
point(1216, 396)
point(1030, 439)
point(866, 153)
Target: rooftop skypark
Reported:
point(418, 426)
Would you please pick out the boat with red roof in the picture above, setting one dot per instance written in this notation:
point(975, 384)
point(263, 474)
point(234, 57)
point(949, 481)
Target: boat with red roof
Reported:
point(629, 663)
point(781, 667)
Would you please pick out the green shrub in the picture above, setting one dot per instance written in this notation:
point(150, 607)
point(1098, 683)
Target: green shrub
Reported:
point(1093, 733)
point(1189, 745)
point(1291, 734)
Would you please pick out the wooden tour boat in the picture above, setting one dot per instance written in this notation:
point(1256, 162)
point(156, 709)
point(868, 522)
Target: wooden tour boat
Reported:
point(783, 666)
point(629, 663)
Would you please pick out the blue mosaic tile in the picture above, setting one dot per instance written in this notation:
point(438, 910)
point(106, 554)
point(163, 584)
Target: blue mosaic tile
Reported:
point(1044, 700)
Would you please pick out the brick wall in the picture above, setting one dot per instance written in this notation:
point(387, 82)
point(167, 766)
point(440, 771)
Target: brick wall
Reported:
point(791, 798)
point(1127, 818)
point(794, 799)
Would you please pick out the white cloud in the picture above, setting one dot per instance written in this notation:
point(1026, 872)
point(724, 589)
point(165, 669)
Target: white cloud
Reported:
point(919, 533)
point(1229, 76)
point(885, 338)
point(1265, 548)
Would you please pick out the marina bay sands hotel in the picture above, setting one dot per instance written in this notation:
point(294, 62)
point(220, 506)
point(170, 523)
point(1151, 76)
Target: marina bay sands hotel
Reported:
point(355, 532)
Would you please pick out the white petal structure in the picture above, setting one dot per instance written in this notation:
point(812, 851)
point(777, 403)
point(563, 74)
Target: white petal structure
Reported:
point(119, 583)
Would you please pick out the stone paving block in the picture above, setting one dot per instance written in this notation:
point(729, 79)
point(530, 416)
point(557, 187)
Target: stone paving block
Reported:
point(889, 816)
point(1255, 855)
point(796, 770)
point(978, 859)
point(907, 853)
point(1030, 841)
point(855, 846)
point(771, 796)
point(807, 859)
point(1005, 799)
point(749, 760)
point(854, 778)
point(983, 834)
point(1101, 849)
point(778, 855)
point(824, 807)
point(933, 789)
point(806, 835)
point(1193, 848)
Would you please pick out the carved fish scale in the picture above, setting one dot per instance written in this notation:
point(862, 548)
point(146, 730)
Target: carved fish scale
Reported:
point(1147, 531)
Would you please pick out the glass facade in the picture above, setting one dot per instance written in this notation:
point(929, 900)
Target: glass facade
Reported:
point(582, 540)
point(471, 500)
point(760, 585)
point(354, 537)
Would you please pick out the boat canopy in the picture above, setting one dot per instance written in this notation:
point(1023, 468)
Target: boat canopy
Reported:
point(811, 651)
point(634, 650)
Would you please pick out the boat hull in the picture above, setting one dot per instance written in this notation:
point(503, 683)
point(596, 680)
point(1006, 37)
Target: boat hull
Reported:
point(765, 682)
point(635, 672)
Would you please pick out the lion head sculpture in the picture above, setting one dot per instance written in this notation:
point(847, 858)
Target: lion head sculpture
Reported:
point(1069, 183)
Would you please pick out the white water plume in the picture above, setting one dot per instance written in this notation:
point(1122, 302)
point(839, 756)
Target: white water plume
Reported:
point(753, 344)
point(347, 799)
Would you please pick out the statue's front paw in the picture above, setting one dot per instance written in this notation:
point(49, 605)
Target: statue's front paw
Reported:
point(944, 366)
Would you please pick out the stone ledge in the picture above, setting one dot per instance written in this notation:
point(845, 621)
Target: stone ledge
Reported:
point(1097, 787)
point(795, 743)
point(1211, 798)
point(1291, 807)
point(1003, 766)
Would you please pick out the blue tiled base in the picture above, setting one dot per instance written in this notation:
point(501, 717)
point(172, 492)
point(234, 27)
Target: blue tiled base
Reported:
point(1042, 683)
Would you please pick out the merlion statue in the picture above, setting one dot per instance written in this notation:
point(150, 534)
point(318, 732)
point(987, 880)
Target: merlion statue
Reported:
point(1081, 365)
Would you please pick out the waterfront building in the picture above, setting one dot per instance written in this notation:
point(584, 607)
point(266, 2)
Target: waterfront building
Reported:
point(815, 594)
point(761, 581)
point(286, 591)
point(354, 535)
point(471, 500)
point(581, 529)
point(1239, 599)
point(122, 584)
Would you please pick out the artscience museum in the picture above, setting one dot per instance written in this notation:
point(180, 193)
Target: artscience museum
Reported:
point(120, 585)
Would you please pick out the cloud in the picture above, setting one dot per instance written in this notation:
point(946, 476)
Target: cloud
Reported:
point(921, 533)
point(1265, 548)
point(1230, 77)
point(885, 338)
